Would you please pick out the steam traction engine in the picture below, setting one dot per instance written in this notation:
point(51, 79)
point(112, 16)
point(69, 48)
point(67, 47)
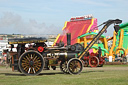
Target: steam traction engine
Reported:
point(35, 57)
point(93, 60)
point(32, 55)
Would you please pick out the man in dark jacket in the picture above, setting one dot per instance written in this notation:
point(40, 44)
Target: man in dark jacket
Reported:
point(99, 52)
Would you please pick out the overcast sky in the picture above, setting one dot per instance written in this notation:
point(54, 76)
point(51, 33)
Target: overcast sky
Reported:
point(49, 16)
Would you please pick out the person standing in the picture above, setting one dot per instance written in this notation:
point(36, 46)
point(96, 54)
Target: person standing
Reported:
point(123, 58)
point(118, 57)
point(127, 57)
point(99, 52)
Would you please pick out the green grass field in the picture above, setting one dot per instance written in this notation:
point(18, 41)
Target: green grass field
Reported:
point(107, 75)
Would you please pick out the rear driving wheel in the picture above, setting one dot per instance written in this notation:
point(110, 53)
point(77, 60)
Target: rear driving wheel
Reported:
point(31, 63)
point(93, 61)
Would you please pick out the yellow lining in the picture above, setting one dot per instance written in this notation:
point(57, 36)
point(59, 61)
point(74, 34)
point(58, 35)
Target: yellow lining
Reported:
point(92, 21)
point(56, 39)
point(65, 25)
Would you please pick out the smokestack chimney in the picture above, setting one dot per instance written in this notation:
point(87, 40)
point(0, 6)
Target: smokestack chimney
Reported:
point(68, 38)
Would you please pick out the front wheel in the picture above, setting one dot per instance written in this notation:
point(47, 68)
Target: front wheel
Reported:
point(31, 63)
point(74, 66)
point(63, 67)
point(85, 63)
point(101, 62)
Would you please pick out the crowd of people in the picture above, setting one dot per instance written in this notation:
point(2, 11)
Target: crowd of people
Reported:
point(119, 57)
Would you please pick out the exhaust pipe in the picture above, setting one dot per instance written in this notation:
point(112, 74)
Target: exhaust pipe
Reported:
point(68, 38)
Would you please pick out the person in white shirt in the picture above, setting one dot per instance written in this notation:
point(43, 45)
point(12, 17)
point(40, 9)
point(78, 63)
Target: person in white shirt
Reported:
point(127, 57)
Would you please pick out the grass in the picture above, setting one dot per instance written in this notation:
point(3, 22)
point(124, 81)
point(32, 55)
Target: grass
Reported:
point(107, 75)
point(116, 65)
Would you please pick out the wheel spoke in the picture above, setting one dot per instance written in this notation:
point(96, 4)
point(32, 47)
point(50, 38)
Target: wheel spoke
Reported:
point(29, 70)
point(25, 61)
point(24, 64)
point(31, 56)
point(27, 58)
point(34, 70)
point(34, 58)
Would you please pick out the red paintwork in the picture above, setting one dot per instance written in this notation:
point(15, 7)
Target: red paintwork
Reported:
point(87, 58)
point(40, 49)
point(76, 28)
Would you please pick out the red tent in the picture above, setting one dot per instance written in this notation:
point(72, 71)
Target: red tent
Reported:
point(76, 26)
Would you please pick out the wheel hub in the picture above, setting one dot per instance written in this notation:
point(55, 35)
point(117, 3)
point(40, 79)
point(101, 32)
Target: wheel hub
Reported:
point(75, 66)
point(93, 61)
point(31, 63)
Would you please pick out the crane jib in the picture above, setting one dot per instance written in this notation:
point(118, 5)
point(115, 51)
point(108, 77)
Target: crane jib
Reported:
point(107, 24)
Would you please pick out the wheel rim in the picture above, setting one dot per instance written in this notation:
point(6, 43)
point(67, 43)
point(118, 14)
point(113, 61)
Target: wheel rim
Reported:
point(93, 61)
point(63, 67)
point(74, 66)
point(31, 63)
